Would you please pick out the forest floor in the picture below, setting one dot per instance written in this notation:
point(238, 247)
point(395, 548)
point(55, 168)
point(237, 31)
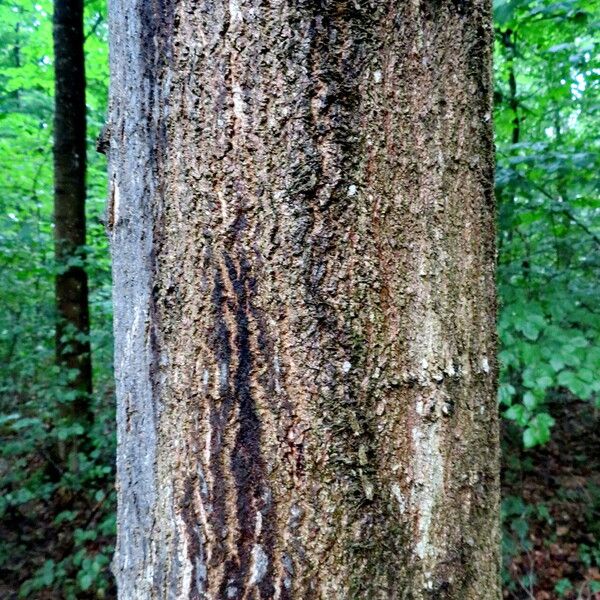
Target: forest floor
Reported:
point(556, 490)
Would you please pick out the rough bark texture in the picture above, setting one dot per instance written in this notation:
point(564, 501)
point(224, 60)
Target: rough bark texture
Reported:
point(302, 225)
point(72, 329)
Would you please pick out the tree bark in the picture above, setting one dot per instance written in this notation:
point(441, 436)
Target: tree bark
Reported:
point(71, 286)
point(302, 225)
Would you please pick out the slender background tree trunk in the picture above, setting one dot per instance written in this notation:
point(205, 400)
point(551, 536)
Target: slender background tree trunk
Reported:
point(302, 224)
point(72, 329)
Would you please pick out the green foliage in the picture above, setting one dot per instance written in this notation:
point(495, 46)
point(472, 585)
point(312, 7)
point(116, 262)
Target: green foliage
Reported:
point(547, 132)
point(547, 81)
point(563, 587)
point(34, 479)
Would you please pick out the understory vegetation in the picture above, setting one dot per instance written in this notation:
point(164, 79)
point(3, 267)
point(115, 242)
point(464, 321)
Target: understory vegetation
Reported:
point(57, 520)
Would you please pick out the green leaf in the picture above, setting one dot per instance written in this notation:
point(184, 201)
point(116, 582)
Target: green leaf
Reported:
point(530, 330)
point(567, 378)
point(544, 382)
point(529, 400)
point(520, 527)
point(563, 587)
point(538, 430)
point(530, 438)
point(85, 581)
point(506, 393)
point(518, 413)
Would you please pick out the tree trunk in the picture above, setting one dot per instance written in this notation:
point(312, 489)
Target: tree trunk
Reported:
point(302, 226)
point(72, 328)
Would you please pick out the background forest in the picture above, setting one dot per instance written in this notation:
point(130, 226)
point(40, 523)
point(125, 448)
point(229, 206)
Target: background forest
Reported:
point(57, 522)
